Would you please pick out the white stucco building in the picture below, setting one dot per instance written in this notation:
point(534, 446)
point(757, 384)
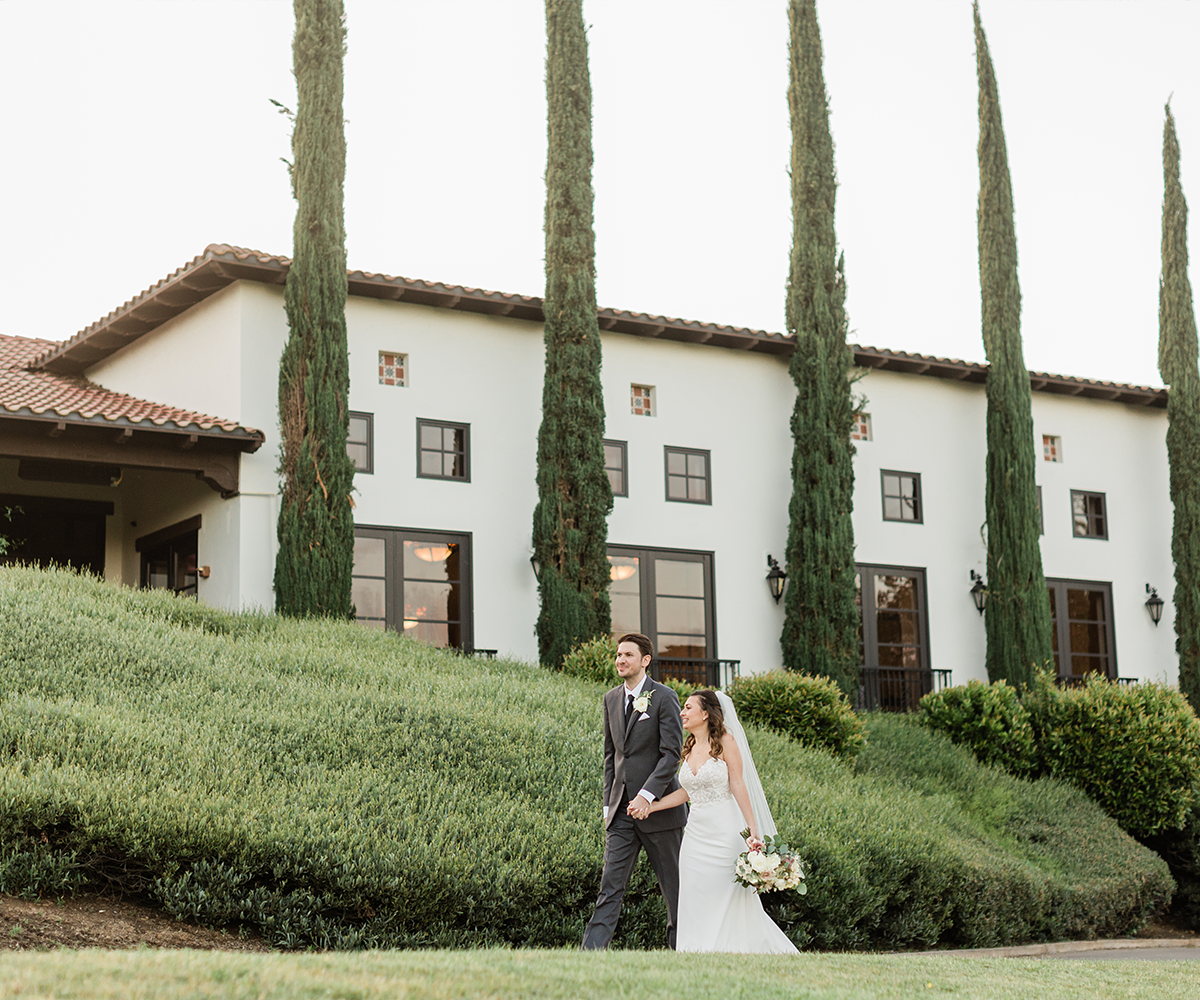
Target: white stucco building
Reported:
point(445, 394)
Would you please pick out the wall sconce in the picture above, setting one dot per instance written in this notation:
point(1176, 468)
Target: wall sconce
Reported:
point(776, 578)
point(1154, 604)
point(204, 572)
point(979, 592)
point(537, 567)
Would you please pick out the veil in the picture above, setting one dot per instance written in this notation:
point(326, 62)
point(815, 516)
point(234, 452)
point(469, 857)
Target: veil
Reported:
point(758, 800)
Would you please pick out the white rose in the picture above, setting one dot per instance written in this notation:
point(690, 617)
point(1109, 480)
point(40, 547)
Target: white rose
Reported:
point(780, 884)
point(641, 703)
point(758, 861)
point(773, 861)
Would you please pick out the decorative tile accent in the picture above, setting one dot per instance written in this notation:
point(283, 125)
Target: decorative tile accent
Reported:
point(393, 368)
point(641, 400)
point(862, 428)
point(1052, 448)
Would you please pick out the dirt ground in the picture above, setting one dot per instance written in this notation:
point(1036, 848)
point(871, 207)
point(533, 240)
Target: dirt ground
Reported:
point(102, 922)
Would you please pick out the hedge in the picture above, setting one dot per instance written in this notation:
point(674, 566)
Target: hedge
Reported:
point(332, 786)
point(813, 711)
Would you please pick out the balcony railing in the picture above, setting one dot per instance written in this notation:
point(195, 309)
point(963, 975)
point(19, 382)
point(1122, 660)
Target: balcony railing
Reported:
point(897, 689)
point(1079, 680)
point(698, 672)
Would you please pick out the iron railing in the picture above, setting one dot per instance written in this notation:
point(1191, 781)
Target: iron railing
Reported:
point(1079, 680)
point(897, 689)
point(696, 671)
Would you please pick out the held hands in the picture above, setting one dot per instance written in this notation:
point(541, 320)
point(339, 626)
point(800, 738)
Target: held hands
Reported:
point(754, 844)
point(638, 807)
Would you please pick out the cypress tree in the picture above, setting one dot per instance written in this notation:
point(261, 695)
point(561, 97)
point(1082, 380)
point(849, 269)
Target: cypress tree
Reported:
point(1177, 363)
point(574, 495)
point(1017, 619)
point(316, 520)
point(820, 630)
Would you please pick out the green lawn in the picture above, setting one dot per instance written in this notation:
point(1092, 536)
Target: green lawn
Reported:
point(467, 975)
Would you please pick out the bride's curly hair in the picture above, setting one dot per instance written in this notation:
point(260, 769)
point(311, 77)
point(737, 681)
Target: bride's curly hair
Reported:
point(716, 724)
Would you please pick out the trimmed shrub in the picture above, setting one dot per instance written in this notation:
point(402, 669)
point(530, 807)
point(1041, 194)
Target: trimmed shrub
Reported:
point(682, 688)
point(1180, 849)
point(335, 787)
point(811, 710)
point(989, 720)
point(1133, 748)
point(593, 661)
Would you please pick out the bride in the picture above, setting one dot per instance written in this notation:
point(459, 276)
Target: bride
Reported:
point(719, 780)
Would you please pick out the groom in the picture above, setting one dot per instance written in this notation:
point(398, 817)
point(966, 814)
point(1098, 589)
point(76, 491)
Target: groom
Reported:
point(643, 739)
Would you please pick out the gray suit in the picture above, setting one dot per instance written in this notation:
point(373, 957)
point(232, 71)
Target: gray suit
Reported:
point(643, 755)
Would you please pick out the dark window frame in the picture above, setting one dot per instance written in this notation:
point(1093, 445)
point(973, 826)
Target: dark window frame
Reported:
point(369, 443)
point(649, 614)
point(466, 452)
point(685, 452)
point(1062, 624)
point(870, 628)
point(624, 469)
point(171, 537)
point(393, 539)
point(918, 497)
point(1091, 517)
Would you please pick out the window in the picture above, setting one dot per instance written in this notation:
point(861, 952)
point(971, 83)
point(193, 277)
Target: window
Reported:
point(862, 427)
point(688, 479)
point(641, 400)
point(169, 557)
point(667, 595)
point(1088, 519)
point(47, 531)
point(1081, 612)
point(616, 464)
point(893, 637)
point(902, 496)
point(360, 441)
point(443, 450)
point(1051, 448)
point(393, 368)
point(414, 581)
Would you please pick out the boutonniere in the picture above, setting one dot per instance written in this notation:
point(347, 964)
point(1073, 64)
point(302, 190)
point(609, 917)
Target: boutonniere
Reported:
point(642, 701)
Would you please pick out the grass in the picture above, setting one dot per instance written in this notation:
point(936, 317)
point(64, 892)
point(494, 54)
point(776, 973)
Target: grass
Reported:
point(568, 975)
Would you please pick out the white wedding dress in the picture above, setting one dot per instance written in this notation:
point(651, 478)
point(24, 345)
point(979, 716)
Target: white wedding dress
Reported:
point(715, 912)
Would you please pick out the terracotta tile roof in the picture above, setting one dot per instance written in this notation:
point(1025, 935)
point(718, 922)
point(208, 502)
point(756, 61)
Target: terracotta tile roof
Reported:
point(28, 392)
point(221, 264)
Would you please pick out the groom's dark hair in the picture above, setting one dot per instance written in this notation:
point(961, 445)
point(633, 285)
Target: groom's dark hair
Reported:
point(640, 641)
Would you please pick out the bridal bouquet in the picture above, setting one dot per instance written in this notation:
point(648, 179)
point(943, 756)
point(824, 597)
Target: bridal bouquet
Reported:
point(775, 867)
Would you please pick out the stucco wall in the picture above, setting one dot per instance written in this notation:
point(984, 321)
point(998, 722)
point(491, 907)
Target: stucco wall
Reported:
point(222, 357)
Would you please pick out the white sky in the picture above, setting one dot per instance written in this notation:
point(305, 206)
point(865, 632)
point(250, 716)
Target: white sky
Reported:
point(136, 133)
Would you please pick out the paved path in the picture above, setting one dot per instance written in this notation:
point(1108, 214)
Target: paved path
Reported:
point(1141, 949)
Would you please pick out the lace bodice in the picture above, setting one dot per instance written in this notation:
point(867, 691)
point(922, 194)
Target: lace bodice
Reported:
point(707, 786)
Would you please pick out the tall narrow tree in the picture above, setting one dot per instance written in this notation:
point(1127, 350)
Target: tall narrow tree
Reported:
point(316, 520)
point(1178, 365)
point(574, 495)
point(1018, 607)
point(820, 630)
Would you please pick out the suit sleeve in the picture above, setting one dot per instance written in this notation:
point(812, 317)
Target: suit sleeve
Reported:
point(609, 752)
point(670, 741)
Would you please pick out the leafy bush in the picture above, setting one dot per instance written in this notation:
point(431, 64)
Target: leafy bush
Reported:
point(593, 661)
point(811, 710)
point(335, 787)
point(989, 720)
point(682, 688)
point(1180, 849)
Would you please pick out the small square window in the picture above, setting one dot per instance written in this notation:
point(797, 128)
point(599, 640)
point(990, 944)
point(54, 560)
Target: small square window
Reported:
point(688, 475)
point(617, 466)
point(443, 450)
point(862, 427)
point(641, 400)
point(902, 497)
point(1051, 448)
point(360, 441)
point(1088, 516)
point(393, 368)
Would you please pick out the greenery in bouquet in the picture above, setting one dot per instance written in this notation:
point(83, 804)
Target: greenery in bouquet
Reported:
point(772, 869)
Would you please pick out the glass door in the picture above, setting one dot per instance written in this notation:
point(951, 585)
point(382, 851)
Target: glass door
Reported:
point(1082, 629)
point(666, 594)
point(416, 582)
